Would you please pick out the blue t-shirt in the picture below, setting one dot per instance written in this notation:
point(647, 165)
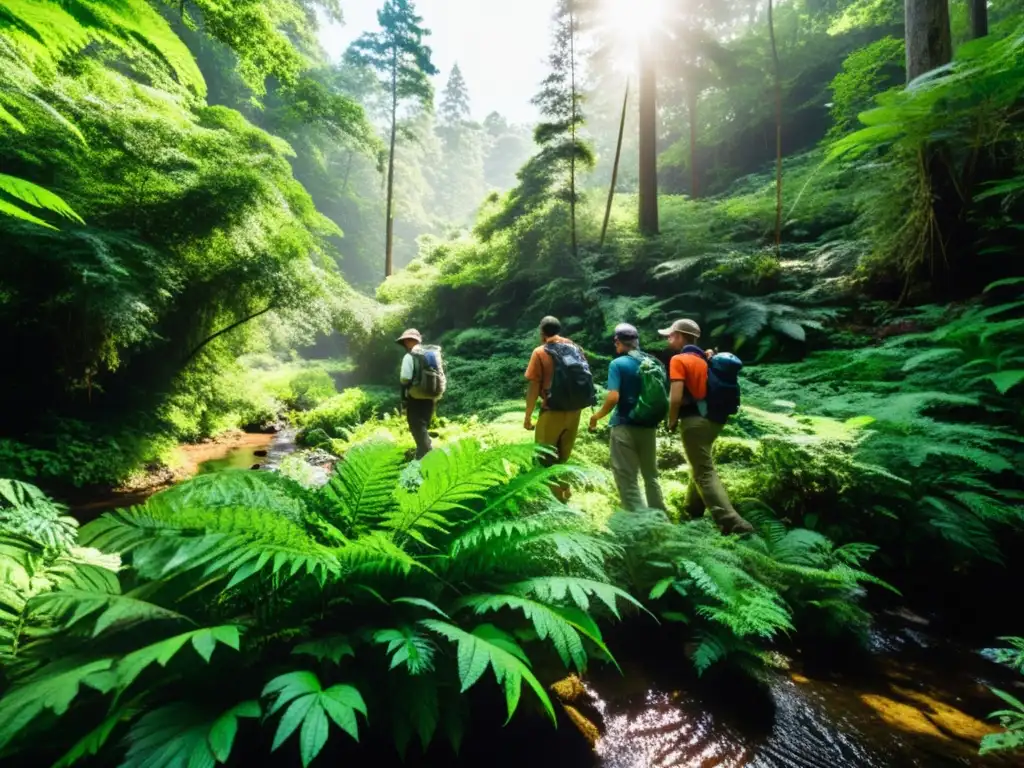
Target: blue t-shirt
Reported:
point(624, 378)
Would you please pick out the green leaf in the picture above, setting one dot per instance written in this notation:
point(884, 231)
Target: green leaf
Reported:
point(292, 718)
point(290, 686)
point(333, 649)
point(1003, 283)
point(225, 728)
point(313, 735)
point(53, 687)
point(789, 328)
point(1004, 381)
point(488, 645)
point(661, 587)
point(90, 744)
point(12, 210)
point(37, 196)
point(422, 604)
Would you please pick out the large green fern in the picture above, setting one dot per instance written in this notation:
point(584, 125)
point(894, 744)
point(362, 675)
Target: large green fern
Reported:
point(383, 584)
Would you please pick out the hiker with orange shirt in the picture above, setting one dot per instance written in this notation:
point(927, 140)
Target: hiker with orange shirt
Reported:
point(559, 376)
point(688, 408)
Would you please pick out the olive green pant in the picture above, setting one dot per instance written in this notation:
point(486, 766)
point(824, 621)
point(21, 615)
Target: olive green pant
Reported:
point(706, 490)
point(634, 452)
point(559, 430)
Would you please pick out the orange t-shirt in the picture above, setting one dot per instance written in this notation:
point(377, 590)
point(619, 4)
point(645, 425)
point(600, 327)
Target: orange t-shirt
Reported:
point(693, 372)
point(542, 368)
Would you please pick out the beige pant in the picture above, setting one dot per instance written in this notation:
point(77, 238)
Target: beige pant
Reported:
point(634, 452)
point(706, 490)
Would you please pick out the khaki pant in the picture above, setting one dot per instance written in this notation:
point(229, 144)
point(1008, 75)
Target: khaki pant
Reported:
point(706, 490)
point(634, 452)
point(558, 429)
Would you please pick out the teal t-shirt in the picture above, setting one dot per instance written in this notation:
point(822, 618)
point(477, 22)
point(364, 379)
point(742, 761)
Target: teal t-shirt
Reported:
point(624, 378)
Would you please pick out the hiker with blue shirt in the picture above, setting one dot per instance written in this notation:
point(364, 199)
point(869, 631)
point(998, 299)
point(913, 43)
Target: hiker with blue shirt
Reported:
point(633, 382)
point(703, 395)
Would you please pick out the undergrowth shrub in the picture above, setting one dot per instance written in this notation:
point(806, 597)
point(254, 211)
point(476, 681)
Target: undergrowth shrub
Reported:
point(737, 596)
point(249, 606)
point(1012, 717)
point(352, 407)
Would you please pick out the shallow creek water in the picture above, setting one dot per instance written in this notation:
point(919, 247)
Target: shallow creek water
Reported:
point(917, 702)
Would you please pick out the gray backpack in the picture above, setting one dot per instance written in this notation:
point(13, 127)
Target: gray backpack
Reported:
point(428, 377)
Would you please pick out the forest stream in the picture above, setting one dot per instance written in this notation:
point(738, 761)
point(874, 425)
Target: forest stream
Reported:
point(914, 701)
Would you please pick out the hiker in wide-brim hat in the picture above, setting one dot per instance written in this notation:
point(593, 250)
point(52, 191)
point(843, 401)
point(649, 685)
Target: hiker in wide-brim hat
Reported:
point(423, 382)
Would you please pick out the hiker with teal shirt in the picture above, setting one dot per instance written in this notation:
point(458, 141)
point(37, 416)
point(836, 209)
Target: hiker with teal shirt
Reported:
point(637, 392)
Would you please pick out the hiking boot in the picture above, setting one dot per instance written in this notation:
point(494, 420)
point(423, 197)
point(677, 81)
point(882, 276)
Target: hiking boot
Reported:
point(735, 524)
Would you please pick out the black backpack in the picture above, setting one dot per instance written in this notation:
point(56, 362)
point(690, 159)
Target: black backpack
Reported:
point(572, 384)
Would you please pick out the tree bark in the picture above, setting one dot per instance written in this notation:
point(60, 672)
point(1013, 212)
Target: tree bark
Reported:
point(648, 180)
point(691, 106)
point(615, 165)
point(929, 44)
point(390, 226)
point(979, 18)
point(778, 130)
point(572, 157)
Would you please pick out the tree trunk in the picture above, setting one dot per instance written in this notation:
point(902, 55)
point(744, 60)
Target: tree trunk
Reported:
point(979, 18)
point(615, 165)
point(390, 226)
point(648, 180)
point(778, 130)
point(929, 44)
point(572, 157)
point(348, 171)
point(691, 106)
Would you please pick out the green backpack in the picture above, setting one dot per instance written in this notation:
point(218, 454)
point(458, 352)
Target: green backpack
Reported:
point(652, 406)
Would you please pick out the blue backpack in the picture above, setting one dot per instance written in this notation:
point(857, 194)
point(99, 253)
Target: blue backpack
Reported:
point(723, 397)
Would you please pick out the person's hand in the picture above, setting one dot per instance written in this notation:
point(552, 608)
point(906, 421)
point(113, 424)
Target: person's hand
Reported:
point(593, 423)
point(709, 353)
point(671, 427)
point(528, 424)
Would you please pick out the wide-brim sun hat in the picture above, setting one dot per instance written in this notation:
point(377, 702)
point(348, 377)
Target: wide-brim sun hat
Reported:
point(410, 333)
point(688, 327)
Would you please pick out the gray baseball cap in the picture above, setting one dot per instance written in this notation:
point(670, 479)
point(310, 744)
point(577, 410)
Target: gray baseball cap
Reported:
point(626, 332)
point(688, 327)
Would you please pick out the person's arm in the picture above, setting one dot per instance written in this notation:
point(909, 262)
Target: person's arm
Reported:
point(535, 375)
point(611, 399)
point(675, 402)
point(676, 375)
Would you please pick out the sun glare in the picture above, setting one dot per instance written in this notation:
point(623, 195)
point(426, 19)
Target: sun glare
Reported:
point(633, 20)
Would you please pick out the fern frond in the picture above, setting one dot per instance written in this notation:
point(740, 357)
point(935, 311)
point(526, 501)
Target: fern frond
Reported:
point(563, 626)
point(182, 734)
point(376, 553)
point(129, 667)
point(36, 196)
point(408, 647)
point(362, 487)
point(115, 611)
point(311, 706)
point(454, 478)
point(487, 646)
point(52, 688)
point(571, 589)
point(227, 541)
